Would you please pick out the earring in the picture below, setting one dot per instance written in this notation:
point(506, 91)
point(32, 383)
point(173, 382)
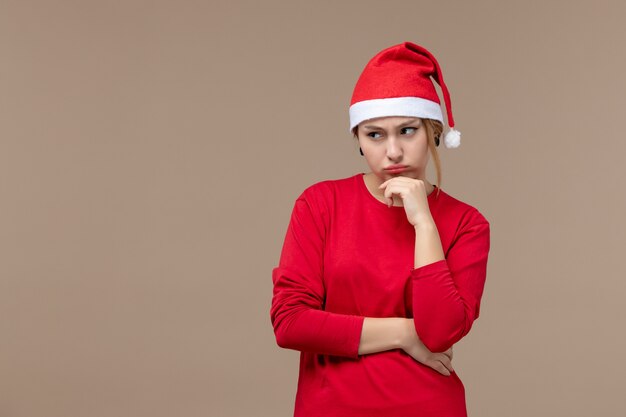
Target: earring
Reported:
point(361, 150)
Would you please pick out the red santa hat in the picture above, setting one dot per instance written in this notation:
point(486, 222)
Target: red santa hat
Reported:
point(397, 82)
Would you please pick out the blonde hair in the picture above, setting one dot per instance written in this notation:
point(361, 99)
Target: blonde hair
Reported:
point(434, 128)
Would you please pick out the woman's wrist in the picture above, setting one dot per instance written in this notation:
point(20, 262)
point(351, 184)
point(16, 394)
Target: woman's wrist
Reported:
point(425, 222)
point(381, 334)
point(405, 329)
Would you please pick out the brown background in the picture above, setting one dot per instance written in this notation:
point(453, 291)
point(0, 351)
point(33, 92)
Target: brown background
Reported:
point(151, 152)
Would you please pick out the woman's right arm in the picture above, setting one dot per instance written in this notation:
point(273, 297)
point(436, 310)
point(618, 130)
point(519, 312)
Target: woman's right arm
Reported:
point(297, 313)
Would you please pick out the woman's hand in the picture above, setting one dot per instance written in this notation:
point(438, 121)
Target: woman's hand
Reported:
point(414, 198)
point(411, 344)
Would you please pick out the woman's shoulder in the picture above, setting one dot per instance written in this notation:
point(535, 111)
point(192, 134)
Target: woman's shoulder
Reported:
point(322, 195)
point(328, 188)
point(461, 210)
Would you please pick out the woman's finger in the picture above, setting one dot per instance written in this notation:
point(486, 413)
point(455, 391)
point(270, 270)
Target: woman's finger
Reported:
point(394, 189)
point(445, 360)
point(390, 190)
point(440, 367)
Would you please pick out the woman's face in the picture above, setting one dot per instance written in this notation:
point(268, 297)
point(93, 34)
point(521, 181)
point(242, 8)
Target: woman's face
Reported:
point(397, 140)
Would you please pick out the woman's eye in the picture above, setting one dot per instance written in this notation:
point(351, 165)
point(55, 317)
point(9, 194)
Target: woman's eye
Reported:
point(404, 129)
point(373, 133)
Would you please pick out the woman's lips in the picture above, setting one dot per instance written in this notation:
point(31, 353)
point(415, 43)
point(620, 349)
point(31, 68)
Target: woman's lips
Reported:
point(396, 168)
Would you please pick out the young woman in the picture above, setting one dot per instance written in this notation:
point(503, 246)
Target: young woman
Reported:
point(382, 272)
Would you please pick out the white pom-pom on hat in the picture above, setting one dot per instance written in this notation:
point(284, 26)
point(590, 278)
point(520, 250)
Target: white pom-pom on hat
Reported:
point(452, 138)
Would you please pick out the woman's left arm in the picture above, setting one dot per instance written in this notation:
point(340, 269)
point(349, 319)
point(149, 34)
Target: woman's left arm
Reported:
point(446, 292)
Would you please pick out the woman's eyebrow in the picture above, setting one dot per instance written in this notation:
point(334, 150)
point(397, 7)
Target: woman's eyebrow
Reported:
point(410, 122)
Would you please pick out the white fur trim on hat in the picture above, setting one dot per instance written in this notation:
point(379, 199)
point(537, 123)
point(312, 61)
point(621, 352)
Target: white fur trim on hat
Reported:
point(396, 106)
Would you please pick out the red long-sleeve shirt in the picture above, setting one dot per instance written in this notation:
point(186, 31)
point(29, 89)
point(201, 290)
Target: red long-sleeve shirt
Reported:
point(347, 256)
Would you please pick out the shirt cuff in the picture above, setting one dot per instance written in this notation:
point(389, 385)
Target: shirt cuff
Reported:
point(355, 340)
point(430, 269)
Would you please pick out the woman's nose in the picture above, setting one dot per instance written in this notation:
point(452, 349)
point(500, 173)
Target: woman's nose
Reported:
point(393, 149)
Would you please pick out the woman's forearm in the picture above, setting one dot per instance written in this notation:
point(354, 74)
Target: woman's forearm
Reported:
point(428, 248)
point(380, 334)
